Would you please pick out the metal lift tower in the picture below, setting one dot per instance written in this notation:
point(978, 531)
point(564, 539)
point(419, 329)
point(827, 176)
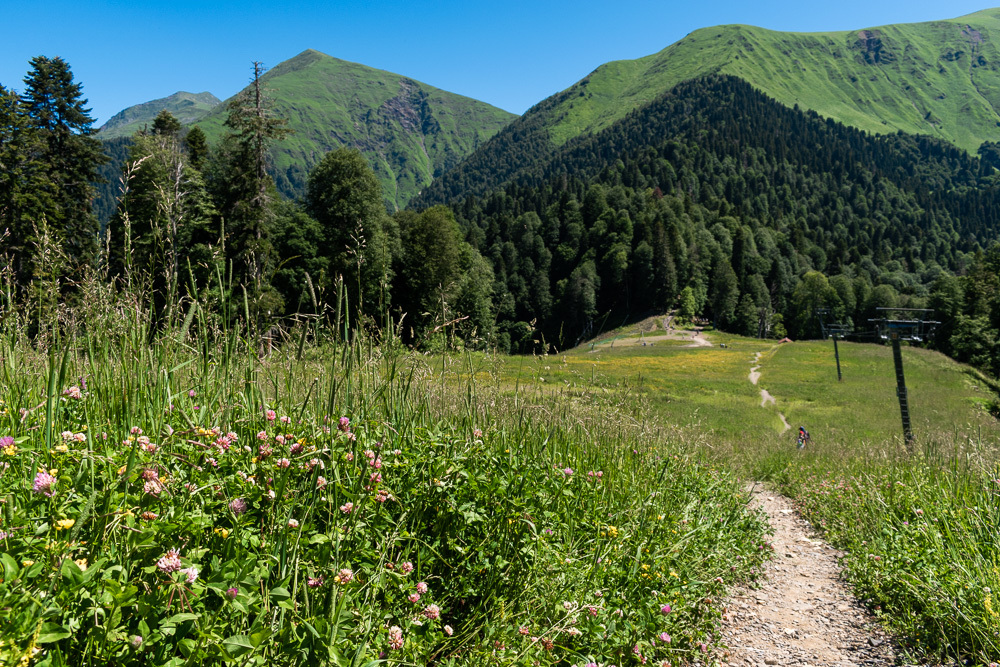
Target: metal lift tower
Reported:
point(917, 327)
point(834, 331)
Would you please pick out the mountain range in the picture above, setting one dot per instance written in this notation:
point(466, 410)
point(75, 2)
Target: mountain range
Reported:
point(410, 132)
point(940, 78)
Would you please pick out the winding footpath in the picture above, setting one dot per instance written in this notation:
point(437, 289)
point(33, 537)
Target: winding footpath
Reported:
point(803, 613)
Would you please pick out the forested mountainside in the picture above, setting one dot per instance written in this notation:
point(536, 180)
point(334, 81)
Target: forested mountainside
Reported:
point(731, 205)
point(940, 79)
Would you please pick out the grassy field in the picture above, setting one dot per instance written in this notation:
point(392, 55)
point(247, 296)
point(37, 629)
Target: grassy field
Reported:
point(197, 501)
point(918, 526)
point(200, 500)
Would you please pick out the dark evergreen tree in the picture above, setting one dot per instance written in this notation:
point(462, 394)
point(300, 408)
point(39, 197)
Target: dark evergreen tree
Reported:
point(166, 125)
point(22, 193)
point(68, 156)
point(197, 147)
point(245, 192)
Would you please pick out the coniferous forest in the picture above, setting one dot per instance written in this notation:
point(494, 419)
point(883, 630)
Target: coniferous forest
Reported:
point(714, 201)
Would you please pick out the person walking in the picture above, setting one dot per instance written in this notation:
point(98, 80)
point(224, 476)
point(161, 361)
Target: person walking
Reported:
point(803, 437)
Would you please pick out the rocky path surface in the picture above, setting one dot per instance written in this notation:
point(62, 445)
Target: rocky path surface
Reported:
point(802, 614)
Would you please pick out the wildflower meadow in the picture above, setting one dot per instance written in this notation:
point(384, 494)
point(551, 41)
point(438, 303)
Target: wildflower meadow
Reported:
point(182, 497)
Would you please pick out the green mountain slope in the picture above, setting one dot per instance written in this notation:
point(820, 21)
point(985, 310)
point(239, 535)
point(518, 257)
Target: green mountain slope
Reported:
point(188, 108)
point(940, 78)
point(409, 131)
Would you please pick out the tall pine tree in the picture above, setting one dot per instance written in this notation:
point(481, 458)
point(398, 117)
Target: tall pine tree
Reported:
point(21, 196)
point(246, 192)
point(68, 157)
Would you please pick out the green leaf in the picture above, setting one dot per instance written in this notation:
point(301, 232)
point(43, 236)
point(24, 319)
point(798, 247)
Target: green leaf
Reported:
point(187, 647)
point(237, 645)
point(9, 567)
point(179, 618)
point(280, 594)
point(52, 632)
point(72, 572)
point(257, 638)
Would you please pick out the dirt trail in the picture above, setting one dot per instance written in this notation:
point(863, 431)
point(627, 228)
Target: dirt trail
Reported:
point(698, 340)
point(755, 370)
point(765, 395)
point(803, 614)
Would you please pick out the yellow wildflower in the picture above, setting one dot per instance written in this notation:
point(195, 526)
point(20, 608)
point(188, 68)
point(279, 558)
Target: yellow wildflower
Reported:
point(82, 562)
point(224, 532)
point(65, 524)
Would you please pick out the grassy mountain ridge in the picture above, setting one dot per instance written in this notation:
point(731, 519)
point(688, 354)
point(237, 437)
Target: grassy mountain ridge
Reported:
point(409, 131)
point(188, 108)
point(939, 78)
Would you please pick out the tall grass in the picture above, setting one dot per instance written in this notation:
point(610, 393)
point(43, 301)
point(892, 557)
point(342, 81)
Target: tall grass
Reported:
point(182, 494)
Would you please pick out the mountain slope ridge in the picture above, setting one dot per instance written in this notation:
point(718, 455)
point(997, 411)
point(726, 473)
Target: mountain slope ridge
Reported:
point(188, 108)
point(830, 72)
point(408, 130)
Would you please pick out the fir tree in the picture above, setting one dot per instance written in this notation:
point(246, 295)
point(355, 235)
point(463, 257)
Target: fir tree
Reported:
point(68, 156)
point(246, 192)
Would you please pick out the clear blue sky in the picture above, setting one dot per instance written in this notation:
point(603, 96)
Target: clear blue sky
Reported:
point(510, 54)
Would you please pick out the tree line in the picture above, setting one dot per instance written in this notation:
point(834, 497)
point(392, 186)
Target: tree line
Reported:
point(713, 200)
point(200, 222)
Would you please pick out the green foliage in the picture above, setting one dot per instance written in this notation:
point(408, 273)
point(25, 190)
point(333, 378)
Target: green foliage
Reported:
point(359, 239)
point(443, 284)
point(212, 521)
point(162, 218)
point(197, 147)
point(165, 124)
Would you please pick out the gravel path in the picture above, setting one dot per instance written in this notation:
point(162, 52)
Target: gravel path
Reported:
point(803, 614)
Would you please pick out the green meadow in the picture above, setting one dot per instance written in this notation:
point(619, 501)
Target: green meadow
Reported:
point(918, 523)
point(196, 496)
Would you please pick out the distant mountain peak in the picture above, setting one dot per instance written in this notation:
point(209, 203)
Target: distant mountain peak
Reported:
point(187, 107)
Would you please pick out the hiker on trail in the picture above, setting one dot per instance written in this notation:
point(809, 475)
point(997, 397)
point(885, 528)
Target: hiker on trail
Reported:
point(803, 437)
